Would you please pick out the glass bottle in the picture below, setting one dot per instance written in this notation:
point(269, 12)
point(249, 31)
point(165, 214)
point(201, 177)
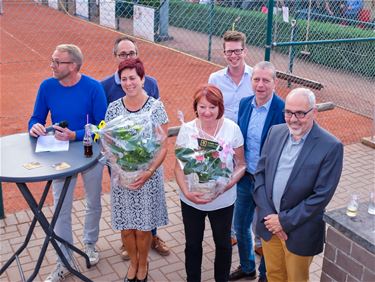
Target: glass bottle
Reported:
point(352, 208)
point(87, 142)
point(371, 204)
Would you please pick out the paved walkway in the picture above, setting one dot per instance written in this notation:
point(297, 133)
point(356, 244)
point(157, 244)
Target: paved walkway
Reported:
point(358, 177)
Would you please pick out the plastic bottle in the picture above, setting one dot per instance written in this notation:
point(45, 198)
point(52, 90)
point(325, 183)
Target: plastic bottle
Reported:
point(87, 142)
point(352, 208)
point(371, 204)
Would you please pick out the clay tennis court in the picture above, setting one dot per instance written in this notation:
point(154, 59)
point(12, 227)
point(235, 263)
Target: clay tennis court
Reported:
point(27, 43)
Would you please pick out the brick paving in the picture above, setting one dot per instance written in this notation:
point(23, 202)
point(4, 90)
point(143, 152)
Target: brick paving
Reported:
point(358, 177)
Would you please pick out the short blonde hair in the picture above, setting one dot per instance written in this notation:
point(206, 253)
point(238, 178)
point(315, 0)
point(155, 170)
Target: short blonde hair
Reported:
point(74, 52)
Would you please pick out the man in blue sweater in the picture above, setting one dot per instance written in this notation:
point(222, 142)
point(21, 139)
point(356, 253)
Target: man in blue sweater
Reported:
point(125, 47)
point(71, 96)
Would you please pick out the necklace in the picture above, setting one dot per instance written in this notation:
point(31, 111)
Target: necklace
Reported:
point(206, 133)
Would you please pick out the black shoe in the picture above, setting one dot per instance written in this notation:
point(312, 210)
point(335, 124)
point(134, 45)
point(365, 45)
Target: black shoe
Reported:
point(130, 280)
point(238, 274)
point(144, 279)
point(127, 279)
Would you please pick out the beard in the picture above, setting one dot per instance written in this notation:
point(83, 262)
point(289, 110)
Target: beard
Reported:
point(295, 132)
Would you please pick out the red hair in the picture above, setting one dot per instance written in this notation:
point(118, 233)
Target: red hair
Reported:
point(213, 96)
point(132, 63)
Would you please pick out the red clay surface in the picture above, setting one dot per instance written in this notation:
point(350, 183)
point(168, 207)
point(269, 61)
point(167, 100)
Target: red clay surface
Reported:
point(29, 34)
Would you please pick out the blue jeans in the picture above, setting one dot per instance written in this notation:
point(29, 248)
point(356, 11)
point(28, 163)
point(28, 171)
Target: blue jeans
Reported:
point(244, 212)
point(92, 179)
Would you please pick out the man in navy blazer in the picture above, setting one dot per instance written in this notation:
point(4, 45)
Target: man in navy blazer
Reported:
point(297, 175)
point(256, 115)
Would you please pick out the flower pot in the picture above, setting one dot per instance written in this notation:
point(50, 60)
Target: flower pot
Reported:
point(127, 177)
point(207, 188)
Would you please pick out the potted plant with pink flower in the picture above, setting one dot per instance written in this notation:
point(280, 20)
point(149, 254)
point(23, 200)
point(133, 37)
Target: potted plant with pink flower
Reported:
point(206, 167)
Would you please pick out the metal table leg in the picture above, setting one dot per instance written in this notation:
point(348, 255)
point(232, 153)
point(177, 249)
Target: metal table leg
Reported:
point(48, 229)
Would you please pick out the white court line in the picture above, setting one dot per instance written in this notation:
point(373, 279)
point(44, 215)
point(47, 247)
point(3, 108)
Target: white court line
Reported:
point(21, 42)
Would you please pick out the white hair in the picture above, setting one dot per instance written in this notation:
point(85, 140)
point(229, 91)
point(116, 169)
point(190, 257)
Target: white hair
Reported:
point(305, 92)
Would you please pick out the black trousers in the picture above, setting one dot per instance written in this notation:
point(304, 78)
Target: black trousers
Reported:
point(194, 225)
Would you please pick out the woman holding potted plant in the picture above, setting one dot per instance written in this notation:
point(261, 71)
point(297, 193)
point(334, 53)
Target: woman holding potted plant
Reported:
point(210, 161)
point(136, 122)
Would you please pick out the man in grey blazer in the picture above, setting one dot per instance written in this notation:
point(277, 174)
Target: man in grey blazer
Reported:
point(296, 177)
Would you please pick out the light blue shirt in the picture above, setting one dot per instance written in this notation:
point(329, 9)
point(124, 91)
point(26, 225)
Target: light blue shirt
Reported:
point(285, 166)
point(232, 92)
point(254, 134)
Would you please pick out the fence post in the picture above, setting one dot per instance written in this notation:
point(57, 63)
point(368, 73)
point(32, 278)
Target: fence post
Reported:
point(291, 48)
point(211, 19)
point(2, 215)
point(164, 20)
point(267, 55)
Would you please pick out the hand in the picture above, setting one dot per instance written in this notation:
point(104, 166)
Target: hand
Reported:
point(221, 189)
point(272, 223)
point(197, 197)
point(140, 180)
point(37, 130)
point(63, 134)
point(282, 235)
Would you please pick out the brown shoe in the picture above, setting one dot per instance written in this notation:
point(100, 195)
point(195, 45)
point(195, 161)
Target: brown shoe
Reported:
point(159, 246)
point(233, 241)
point(124, 253)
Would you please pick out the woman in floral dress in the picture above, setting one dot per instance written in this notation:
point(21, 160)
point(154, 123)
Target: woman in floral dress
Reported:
point(140, 207)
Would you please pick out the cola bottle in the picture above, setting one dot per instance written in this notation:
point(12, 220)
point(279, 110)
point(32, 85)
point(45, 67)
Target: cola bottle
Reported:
point(87, 142)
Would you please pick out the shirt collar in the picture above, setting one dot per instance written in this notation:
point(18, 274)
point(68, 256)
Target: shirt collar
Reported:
point(247, 70)
point(265, 106)
point(117, 78)
point(302, 140)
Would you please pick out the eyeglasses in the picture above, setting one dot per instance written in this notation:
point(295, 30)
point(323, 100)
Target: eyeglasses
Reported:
point(58, 63)
point(124, 55)
point(298, 114)
point(235, 51)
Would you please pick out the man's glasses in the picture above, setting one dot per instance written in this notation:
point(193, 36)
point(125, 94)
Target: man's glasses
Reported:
point(58, 63)
point(298, 114)
point(124, 55)
point(235, 51)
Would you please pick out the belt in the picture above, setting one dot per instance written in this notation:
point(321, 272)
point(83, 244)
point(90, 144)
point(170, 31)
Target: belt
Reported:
point(251, 176)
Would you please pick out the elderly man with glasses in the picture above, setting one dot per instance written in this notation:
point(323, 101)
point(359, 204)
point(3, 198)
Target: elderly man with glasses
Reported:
point(125, 47)
point(297, 175)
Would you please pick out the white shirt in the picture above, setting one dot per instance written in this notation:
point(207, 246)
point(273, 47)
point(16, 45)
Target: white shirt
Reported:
point(232, 92)
point(231, 134)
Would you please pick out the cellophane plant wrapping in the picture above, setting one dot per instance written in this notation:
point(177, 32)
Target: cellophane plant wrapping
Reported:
point(129, 145)
point(207, 168)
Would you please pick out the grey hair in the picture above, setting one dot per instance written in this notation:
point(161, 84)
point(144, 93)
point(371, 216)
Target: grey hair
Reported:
point(305, 92)
point(74, 52)
point(264, 65)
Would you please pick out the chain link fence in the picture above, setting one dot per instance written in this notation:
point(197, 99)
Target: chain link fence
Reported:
point(183, 46)
point(342, 72)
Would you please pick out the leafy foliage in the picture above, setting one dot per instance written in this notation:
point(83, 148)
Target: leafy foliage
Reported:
point(206, 163)
point(132, 149)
